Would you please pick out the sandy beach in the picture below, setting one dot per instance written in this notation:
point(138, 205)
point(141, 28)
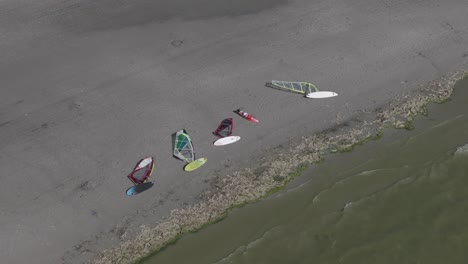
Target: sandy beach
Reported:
point(89, 88)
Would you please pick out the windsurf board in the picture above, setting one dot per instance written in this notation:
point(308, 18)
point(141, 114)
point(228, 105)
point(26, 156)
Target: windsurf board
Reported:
point(195, 164)
point(321, 94)
point(226, 140)
point(139, 188)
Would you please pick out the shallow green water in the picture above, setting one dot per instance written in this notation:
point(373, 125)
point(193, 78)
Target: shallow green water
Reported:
point(400, 199)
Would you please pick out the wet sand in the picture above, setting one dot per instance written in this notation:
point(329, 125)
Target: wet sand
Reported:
point(89, 88)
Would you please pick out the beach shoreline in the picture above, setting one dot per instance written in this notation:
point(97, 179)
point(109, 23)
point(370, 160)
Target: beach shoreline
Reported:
point(310, 215)
point(89, 88)
point(235, 190)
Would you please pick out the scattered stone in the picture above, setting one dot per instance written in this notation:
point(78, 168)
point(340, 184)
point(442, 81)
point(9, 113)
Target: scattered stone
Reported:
point(177, 43)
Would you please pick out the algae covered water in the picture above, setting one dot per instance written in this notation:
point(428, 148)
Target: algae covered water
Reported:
point(402, 198)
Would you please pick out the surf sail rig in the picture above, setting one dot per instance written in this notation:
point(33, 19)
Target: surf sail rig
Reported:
point(183, 150)
point(293, 87)
point(306, 88)
point(142, 171)
point(225, 128)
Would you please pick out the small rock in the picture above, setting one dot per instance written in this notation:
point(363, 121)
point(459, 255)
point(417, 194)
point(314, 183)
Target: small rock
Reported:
point(177, 43)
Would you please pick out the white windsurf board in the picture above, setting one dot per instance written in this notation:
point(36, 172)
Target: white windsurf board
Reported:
point(321, 94)
point(226, 140)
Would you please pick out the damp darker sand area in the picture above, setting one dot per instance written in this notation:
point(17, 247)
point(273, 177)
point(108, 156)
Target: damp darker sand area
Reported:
point(88, 88)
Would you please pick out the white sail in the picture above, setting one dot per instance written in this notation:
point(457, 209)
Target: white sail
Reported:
point(183, 148)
